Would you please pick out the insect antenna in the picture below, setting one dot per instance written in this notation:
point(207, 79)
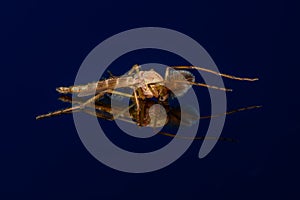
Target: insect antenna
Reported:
point(204, 85)
point(214, 72)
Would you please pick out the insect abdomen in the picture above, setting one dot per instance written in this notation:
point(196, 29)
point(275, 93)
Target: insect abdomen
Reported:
point(78, 89)
point(91, 88)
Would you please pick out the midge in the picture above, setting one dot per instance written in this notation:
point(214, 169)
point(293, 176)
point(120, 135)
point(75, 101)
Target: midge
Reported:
point(145, 85)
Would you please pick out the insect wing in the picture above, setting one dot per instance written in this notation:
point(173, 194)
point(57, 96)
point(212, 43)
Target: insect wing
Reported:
point(178, 81)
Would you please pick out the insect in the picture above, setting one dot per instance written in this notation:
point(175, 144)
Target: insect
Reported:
point(150, 116)
point(145, 85)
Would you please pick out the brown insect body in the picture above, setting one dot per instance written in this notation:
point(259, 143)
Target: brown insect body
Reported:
point(145, 85)
point(90, 88)
point(148, 84)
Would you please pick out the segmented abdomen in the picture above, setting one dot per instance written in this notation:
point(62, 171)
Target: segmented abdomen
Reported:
point(91, 88)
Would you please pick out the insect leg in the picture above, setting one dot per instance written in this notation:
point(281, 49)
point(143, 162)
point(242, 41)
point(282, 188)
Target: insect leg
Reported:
point(116, 116)
point(99, 115)
point(135, 68)
point(214, 72)
point(72, 109)
point(67, 99)
point(122, 94)
point(119, 93)
point(93, 99)
point(136, 100)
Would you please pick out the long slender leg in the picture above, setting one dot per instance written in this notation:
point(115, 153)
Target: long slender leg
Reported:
point(214, 72)
point(135, 68)
point(82, 105)
point(119, 93)
point(94, 98)
point(98, 107)
point(106, 110)
point(99, 115)
point(96, 114)
point(126, 95)
point(72, 109)
point(136, 100)
point(63, 111)
point(68, 99)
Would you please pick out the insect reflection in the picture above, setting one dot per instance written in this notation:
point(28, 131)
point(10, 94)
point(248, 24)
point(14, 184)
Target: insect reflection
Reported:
point(150, 115)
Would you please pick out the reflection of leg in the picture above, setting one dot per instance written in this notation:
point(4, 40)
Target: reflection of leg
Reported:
point(216, 73)
point(86, 103)
point(137, 106)
point(93, 99)
point(97, 107)
point(97, 114)
point(101, 108)
point(122, 94)
point(58, 112)
point(230, 112)
point(72, 109)
point(126, 95)
point(68, 99)
point(197, 138)
point(116, 116)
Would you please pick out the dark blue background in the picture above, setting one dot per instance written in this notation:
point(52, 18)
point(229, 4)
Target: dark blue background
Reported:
point(43, 44)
